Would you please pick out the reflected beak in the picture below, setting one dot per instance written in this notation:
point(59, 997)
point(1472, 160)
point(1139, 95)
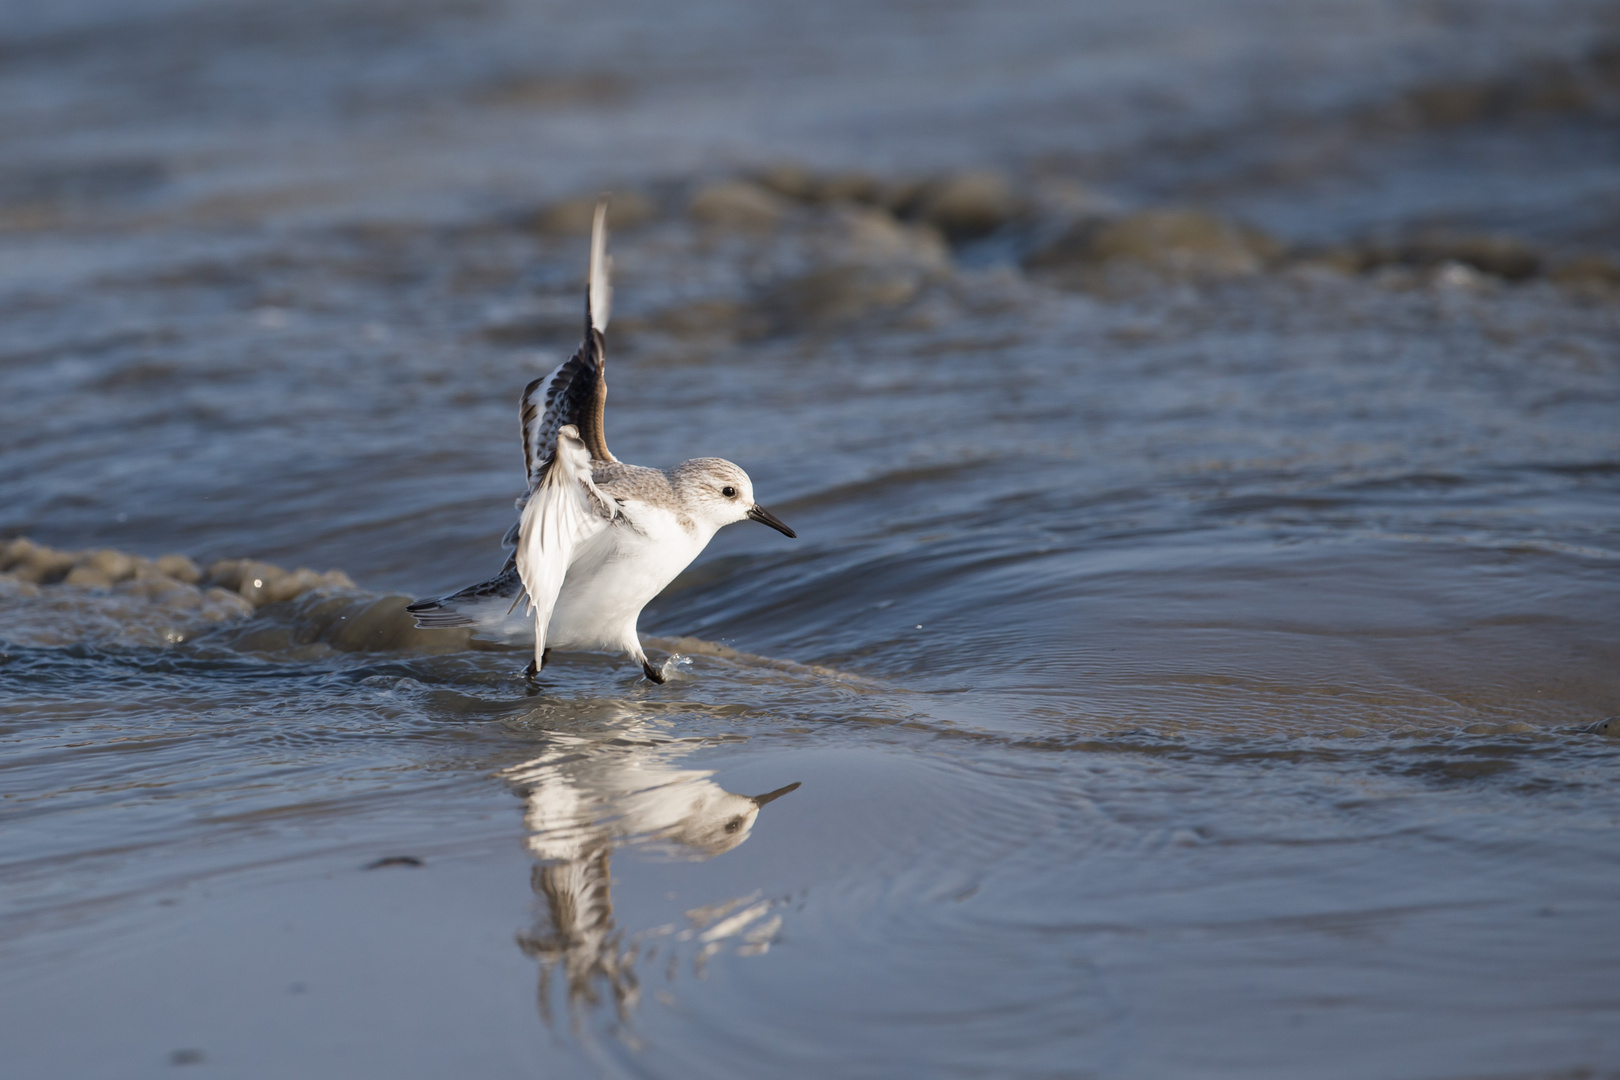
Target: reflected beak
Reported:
point(765, 517)
point(772, 796)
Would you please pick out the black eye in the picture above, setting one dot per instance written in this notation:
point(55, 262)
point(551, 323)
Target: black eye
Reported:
point(734, 824)
point(729, 492)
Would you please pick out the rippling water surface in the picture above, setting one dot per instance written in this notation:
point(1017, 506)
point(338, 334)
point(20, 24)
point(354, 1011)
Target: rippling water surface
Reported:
point(1186, 669)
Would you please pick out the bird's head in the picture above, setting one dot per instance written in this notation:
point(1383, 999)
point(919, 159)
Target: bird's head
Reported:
point(717, 493)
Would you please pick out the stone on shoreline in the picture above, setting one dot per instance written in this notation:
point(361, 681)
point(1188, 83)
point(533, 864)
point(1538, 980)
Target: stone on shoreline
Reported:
point(1431, 253)
point(12, 586)
point(860, 261)
point(967, 205)
point(1587, 273)
point(737, 204)
point(838, 295)
point(962, 206)
point(873, 236)
point(261, 583)
point(1173, 240)
point(788, 179)
point(854, 187)
point(109, 595)
point(28, 561)
point(220, 604)
point(101, 568)
point(105, 568)
point(1500, 256)
point(179, 567)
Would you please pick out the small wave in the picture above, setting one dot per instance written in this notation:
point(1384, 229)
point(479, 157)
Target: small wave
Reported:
point(111, 599)
point(54, 598)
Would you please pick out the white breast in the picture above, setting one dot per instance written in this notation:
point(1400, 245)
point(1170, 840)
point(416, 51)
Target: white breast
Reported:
point(615, 575)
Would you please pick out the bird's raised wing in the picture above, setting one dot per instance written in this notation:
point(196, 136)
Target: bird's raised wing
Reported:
point(576, 393)
point(564, 510)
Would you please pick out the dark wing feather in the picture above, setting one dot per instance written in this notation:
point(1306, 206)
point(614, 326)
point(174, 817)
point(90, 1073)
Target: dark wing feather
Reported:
point(576, 393)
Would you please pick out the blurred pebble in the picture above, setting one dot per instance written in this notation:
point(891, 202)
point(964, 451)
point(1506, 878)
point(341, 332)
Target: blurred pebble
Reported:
point(1437, 253)
point(86, 577)
point(226, 573)
point(1456, 275)
point(250, 579)
point(1067, 201)
point(968, 205)
point(1340, 260)
point(870, 235)
point(261, 583)
point(217, 604)
point(1500, 256)
point(837, 295)
point(1587, 273)
point(180, 568)
point(162, 589)
point(291, 585)
point(737, 204)
point(105, 563)
point(854, 187)
point(788, 179)
point(13, 587)
point(1176, 241)
point(165, 601)
point(36, 563)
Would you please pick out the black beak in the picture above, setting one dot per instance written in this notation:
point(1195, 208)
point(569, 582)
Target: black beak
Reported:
point(772, 796)
point(765, 517)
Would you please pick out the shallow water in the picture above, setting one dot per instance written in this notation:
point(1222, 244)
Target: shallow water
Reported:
point(1185, 673)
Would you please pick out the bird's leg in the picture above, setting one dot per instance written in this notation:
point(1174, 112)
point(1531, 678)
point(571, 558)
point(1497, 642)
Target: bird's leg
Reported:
point(534, 666)
point(632, 645)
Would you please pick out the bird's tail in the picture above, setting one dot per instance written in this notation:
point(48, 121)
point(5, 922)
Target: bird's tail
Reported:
point(486, 604)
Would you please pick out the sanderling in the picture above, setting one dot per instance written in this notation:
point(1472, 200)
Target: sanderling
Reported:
point(595, 539)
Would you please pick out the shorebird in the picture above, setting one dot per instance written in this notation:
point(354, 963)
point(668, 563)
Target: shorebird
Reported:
point(596, 539)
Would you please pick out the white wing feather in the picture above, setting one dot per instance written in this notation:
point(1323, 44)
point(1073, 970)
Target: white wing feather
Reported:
point(599, 285)
point(565, 509)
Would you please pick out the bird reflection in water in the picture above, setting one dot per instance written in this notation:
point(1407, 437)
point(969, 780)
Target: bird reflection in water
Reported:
point(618, 787)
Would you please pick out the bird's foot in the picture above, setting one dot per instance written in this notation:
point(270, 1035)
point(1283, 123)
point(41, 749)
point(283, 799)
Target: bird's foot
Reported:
point(652, 673)
point(535, 665)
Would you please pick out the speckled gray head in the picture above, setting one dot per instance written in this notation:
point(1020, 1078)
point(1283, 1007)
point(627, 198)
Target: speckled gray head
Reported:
point(718, 492)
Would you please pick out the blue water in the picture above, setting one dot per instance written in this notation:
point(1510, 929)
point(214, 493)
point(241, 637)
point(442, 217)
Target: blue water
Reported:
point(1183, 676)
